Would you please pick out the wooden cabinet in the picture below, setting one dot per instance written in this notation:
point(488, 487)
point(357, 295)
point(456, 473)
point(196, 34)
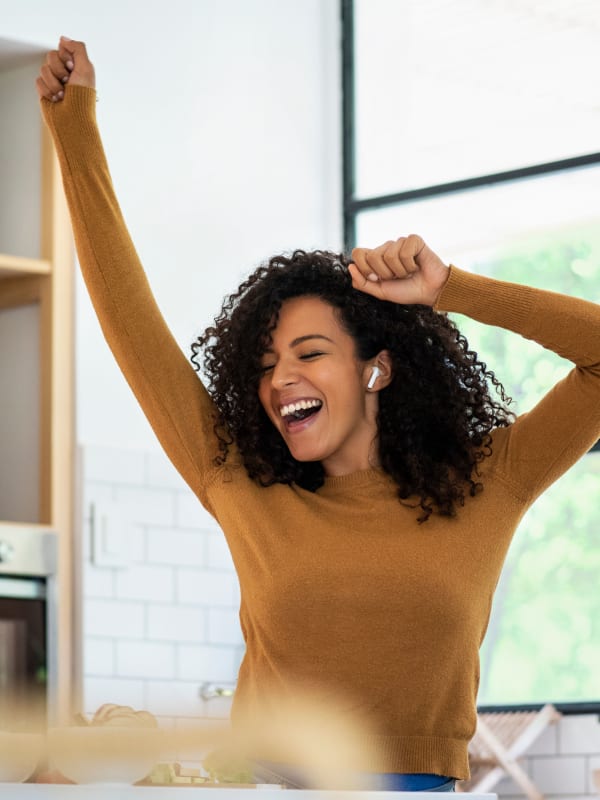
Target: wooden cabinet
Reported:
point(36, 336)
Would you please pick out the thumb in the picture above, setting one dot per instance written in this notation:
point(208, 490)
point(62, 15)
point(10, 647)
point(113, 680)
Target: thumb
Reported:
point(74, 56)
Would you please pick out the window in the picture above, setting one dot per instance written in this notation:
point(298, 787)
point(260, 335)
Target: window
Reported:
point(476, 124)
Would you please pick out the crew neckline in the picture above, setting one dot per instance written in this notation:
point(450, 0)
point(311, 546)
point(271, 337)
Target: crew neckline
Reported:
point(354, 479)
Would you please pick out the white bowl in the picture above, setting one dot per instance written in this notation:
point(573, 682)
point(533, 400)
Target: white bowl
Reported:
point(19, 755)
point(104, 754)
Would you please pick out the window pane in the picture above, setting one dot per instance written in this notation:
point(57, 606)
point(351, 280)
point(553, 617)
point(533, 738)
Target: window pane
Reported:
point(465, 225)
point(448, 89)
point(543, 641)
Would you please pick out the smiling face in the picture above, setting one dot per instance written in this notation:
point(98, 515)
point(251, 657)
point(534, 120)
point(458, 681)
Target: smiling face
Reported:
point(314, 389)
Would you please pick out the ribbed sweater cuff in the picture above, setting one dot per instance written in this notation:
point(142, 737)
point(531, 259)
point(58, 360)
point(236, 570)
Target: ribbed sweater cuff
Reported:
point(74, 118)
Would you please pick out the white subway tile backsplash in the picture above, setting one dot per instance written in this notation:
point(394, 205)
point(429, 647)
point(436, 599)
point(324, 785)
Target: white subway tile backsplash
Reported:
point(172, 546)
point(176, 623)
point(564, 775)
point(547, 742)
point(237, 595)
point(571, 797)
point(190, 513)
point(507, 787)
point(92, 494)
point(124, 467)
point(173, 698)
point(593, 765)
point(218, 708)
point(145, 506)
point(206, 588)
point(145, 660)
point(218, 555)
point(143, 582)
point(579, 734)
point(99, 656)
point(224, 626)
point(97, 691)
point(137, 545)
point(113, 618)
point(97, 581)
point(202, 663)
point(161, 474)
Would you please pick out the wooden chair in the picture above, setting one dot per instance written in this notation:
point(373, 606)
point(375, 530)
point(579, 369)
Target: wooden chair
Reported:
point(500, 740)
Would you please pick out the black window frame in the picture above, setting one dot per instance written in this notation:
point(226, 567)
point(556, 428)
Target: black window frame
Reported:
point(352, 206)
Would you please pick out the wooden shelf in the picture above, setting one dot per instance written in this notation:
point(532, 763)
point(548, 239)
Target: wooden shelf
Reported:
point(13, 266)
point(37, 310)
point(39, 526)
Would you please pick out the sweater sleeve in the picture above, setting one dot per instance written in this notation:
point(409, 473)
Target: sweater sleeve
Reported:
point(544, 442)
point(165, 384)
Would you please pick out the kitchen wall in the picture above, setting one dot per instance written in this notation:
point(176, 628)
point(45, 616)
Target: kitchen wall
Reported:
point(160, 597)
point(221, 122)
point(561, 761)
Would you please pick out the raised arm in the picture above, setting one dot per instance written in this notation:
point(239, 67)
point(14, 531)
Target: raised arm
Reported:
point(164, 382)
point(544, 442)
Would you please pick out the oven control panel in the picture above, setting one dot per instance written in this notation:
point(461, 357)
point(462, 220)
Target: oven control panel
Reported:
point(27, 551)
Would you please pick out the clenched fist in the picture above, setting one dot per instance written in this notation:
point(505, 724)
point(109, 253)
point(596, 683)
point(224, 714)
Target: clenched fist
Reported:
point(404, 271)
point(69, 64)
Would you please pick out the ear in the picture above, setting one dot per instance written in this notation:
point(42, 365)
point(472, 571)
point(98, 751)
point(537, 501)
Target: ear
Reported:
point(375, 382)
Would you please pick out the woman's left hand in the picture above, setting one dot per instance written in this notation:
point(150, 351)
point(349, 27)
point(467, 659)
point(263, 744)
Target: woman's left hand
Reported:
point(405, 271)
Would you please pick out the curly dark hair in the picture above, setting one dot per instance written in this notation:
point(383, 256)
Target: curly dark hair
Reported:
point(435, 417)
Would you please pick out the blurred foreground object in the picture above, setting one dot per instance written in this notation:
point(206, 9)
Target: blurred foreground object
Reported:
point(104, 754)
point(20, 754)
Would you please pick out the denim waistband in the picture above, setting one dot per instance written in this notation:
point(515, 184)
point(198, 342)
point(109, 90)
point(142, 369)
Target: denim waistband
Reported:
point(422, 782)
point(295, 778)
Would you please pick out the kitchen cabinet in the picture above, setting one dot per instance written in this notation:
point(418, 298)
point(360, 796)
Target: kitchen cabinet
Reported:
point(36, 337)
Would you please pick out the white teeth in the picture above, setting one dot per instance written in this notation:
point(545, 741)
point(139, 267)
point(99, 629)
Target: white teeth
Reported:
point(301, 405)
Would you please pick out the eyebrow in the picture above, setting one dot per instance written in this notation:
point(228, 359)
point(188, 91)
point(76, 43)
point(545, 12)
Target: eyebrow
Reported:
point(298, 340)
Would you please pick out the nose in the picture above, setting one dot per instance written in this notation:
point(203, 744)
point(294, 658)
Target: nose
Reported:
point(284, 374)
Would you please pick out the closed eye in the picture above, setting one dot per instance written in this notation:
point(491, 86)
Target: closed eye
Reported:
point(313, 354)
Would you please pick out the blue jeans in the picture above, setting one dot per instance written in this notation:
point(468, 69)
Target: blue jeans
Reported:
point(394, 782)
point(294, 778)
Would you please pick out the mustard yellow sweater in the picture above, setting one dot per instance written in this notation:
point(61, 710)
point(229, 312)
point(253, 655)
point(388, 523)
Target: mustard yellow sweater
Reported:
point(342, 588)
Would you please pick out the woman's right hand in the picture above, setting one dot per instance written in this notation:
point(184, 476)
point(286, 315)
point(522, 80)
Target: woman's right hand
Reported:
point(67, 65)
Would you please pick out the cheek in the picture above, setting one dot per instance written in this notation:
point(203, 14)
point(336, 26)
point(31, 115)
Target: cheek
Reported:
point(264, 394)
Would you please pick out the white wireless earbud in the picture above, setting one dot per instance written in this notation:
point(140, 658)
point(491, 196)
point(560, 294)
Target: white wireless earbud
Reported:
point(375, 373)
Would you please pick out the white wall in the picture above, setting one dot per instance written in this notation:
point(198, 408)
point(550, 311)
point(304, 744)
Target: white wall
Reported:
point(160, 594)
point(221, 123)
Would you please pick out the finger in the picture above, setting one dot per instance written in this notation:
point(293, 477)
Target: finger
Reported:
point(409, 251)
point(375, 260)
point(66, 57)
point(57, 66)
point(391, 256)
point(74, 56)
point(359, 258)
point(53, 84)
point(42, 89)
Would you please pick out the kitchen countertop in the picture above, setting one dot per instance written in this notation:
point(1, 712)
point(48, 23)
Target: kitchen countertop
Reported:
point(106, 791)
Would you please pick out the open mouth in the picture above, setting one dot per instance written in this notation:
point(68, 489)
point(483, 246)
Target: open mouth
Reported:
point(300, 411)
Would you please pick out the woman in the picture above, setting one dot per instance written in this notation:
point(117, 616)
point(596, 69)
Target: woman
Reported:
point(366, 481)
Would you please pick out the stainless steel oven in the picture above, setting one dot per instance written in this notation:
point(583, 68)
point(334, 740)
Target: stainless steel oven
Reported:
point(28, 619)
